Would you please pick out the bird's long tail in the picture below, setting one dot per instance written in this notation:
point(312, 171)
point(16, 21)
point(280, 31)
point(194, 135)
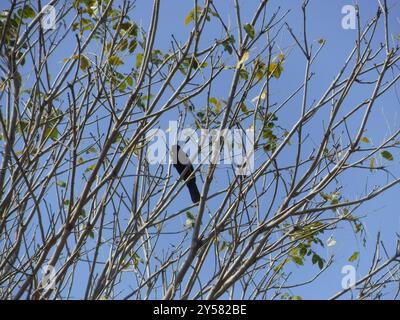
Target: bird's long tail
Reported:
point(193, 190)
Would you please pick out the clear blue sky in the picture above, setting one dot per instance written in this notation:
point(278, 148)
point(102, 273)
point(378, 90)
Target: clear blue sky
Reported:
point(324, 21)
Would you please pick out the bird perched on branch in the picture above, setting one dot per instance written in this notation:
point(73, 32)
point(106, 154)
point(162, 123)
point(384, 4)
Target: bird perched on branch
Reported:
point(181, 161)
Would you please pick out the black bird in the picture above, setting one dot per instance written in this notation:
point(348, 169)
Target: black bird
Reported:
point(181, 161)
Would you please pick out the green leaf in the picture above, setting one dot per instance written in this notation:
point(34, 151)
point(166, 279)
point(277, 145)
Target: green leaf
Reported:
point(191, 15)
point(243, 74)
point(190, 223)
point(51, 132)
point(371, 164)
point(216, 103)
point(129, 80)
point(129, 27)
point(387, 155)
point(259, 69)
point(132, 46)
point(223, 246)
point(316, 259)
point(139, 59)
point(82, 214)
point(228, 44)
point(354, 256)
point(73, 57)
point(294, 255)
point(249, 30)
point(325, 196)
point(61, 184)
point(298, 260)
point(91, 150)
point(27, 13)
point(243, 107)
point(122, 86)
point(190, 215)
point(90, 168)
point(191, 220)
point(334, 201)
point(135, 259)
point(22, 126)
point(280, 266)
point(275, 69)
point(228, 48)
point(84, 62)
point(115, 61)
point(122, 45)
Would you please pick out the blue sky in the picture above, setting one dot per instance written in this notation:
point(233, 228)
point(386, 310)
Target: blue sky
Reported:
point(324, 21)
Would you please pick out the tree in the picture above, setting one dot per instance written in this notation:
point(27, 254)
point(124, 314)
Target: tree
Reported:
point(83, 212)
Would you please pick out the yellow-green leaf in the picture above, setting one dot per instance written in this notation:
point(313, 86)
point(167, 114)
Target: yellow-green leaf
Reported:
point(129, 80)
point(123, 45)
point(91, 150)
point(51, 132)
point(296, 298)
point(387, 155)
point(122, 86)
point(249, 30)
point(275, 69)
point(191, 15)
point(243, 74)
point(90, 168)
point(216, 103)
point(61, 184)
point(371, 164)
point(84, 62)
point(132, 46)
point(243, 107)
point(354, 256)
point(139, 59)
point(27, 12)
point(115, 61)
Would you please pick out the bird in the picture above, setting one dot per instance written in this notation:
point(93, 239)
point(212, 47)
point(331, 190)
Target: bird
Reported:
point(180, 162)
